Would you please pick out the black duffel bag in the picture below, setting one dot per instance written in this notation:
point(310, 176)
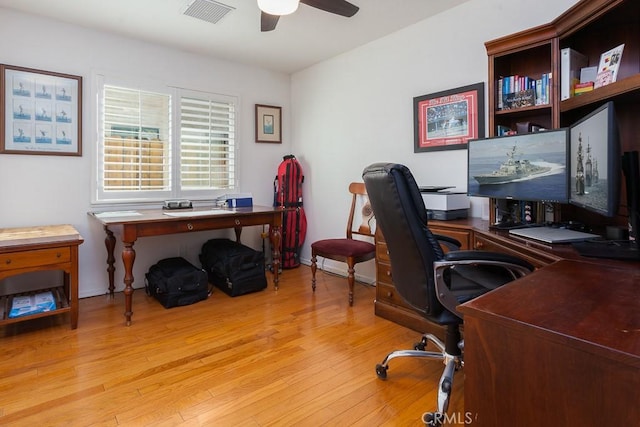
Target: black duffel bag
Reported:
point(175, 282)
point(233, 267)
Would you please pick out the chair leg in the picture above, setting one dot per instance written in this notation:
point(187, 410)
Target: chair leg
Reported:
point(446, 384)
point(436, 419)
point(351, 279)
point(419, 351)
point(314, 267)
point(450, 353)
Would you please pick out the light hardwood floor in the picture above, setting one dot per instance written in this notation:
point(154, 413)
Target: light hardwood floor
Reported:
point(274, 358)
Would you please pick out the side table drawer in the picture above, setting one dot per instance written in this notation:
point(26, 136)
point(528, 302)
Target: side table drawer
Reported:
point(38, 257)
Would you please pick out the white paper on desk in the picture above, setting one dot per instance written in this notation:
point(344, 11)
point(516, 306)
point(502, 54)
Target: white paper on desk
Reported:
point(196, 213)
point(116, 214)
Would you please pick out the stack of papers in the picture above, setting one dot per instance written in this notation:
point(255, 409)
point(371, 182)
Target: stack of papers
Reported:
point(25, 305)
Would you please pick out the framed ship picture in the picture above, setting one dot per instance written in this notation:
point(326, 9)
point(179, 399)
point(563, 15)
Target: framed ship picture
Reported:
point(447, 120)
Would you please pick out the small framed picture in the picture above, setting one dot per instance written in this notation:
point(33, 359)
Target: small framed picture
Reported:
point(268, 123)
point(40, 112)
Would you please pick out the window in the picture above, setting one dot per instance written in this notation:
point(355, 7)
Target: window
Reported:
point(207, 135)
point(156, 146)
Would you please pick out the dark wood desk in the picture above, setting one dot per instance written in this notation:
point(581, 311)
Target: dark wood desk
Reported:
point(558, 347)
point(155, 222)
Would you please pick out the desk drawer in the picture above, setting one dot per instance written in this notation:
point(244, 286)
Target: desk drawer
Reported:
point(382, 254)
point(38, 257)
point(464, 237)
point(535, 257)
point(383, 273)
point(389, 294)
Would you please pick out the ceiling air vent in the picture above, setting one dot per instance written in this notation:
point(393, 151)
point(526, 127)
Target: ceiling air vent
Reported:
point(208, 10)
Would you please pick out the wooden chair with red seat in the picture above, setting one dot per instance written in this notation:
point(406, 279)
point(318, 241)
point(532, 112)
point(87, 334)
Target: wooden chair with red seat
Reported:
point(348, 250)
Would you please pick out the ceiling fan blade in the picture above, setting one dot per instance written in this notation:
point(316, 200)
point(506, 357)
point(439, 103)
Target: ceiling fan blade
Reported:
point(268, 22)
point(339, 7)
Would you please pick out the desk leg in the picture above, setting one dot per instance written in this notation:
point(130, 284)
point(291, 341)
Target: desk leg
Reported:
point(128, 257)
point(275, 236)
point(110, 243)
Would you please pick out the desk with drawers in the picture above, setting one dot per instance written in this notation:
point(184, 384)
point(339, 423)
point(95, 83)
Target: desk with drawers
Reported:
point(155, 222)
point(560, 346)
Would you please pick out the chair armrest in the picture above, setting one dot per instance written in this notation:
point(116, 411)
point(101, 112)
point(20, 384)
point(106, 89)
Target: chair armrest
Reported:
point(513, 266)
point(449, 242)
point(486, 257)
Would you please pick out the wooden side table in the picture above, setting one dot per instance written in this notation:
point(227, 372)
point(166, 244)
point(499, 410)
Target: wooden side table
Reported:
point(28, 249)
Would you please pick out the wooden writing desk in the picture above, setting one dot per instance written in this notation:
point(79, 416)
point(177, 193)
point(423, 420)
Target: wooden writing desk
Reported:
point(154, 222)
point(560, 346)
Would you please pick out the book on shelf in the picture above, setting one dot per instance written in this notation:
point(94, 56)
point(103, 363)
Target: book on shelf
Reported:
point(571, 63)
point(603, 78)
point(583, 88)
point(25, 305)
point(518, 91)
point(524, 98)
point(504, 130)
point(588, 74)
point(608, 66)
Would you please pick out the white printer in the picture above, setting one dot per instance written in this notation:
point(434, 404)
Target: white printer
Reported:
point(445, 205)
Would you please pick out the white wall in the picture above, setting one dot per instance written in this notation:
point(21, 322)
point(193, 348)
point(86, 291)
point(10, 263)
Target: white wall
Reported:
point(338, 117)
point(37, 190)
point(357, 108)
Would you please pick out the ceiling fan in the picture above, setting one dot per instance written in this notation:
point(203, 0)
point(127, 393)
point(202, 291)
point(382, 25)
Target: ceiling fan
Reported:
point(271, 10)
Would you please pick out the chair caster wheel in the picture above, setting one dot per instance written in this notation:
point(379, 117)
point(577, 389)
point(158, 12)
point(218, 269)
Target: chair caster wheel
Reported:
point(381, 371)
point(420, 346)
point(432, 419)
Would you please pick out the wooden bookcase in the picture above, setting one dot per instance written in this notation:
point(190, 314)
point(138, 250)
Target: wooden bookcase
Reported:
point(590, 27)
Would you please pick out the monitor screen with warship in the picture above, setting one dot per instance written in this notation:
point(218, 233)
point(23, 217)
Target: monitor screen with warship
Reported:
point(595, 168)
point(531, 166)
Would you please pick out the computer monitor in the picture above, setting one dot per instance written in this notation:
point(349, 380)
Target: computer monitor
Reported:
point(531, 166)
point(595, 167)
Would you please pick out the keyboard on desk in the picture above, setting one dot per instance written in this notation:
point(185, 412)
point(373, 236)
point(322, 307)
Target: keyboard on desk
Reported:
point(553, 234)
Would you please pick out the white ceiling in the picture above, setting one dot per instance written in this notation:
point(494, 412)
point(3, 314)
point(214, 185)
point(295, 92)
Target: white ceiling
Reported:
point(299, 41)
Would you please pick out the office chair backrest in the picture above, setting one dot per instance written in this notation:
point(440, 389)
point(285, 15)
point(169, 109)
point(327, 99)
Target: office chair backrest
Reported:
point(402, 218)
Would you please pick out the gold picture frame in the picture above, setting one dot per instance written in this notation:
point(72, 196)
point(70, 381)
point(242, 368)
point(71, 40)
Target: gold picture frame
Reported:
point(40, 112)
point(268, 123)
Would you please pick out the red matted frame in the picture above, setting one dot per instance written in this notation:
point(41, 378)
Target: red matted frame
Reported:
point(447, 120)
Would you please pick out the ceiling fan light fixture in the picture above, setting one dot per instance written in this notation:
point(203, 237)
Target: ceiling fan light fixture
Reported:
point(278, 7)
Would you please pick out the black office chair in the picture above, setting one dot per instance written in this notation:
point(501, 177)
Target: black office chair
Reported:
point(431, 281)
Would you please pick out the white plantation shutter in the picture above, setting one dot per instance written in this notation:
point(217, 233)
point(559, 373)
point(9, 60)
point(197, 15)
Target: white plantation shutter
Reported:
point(155, 146)
point(136, 141)
point(207, 144)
